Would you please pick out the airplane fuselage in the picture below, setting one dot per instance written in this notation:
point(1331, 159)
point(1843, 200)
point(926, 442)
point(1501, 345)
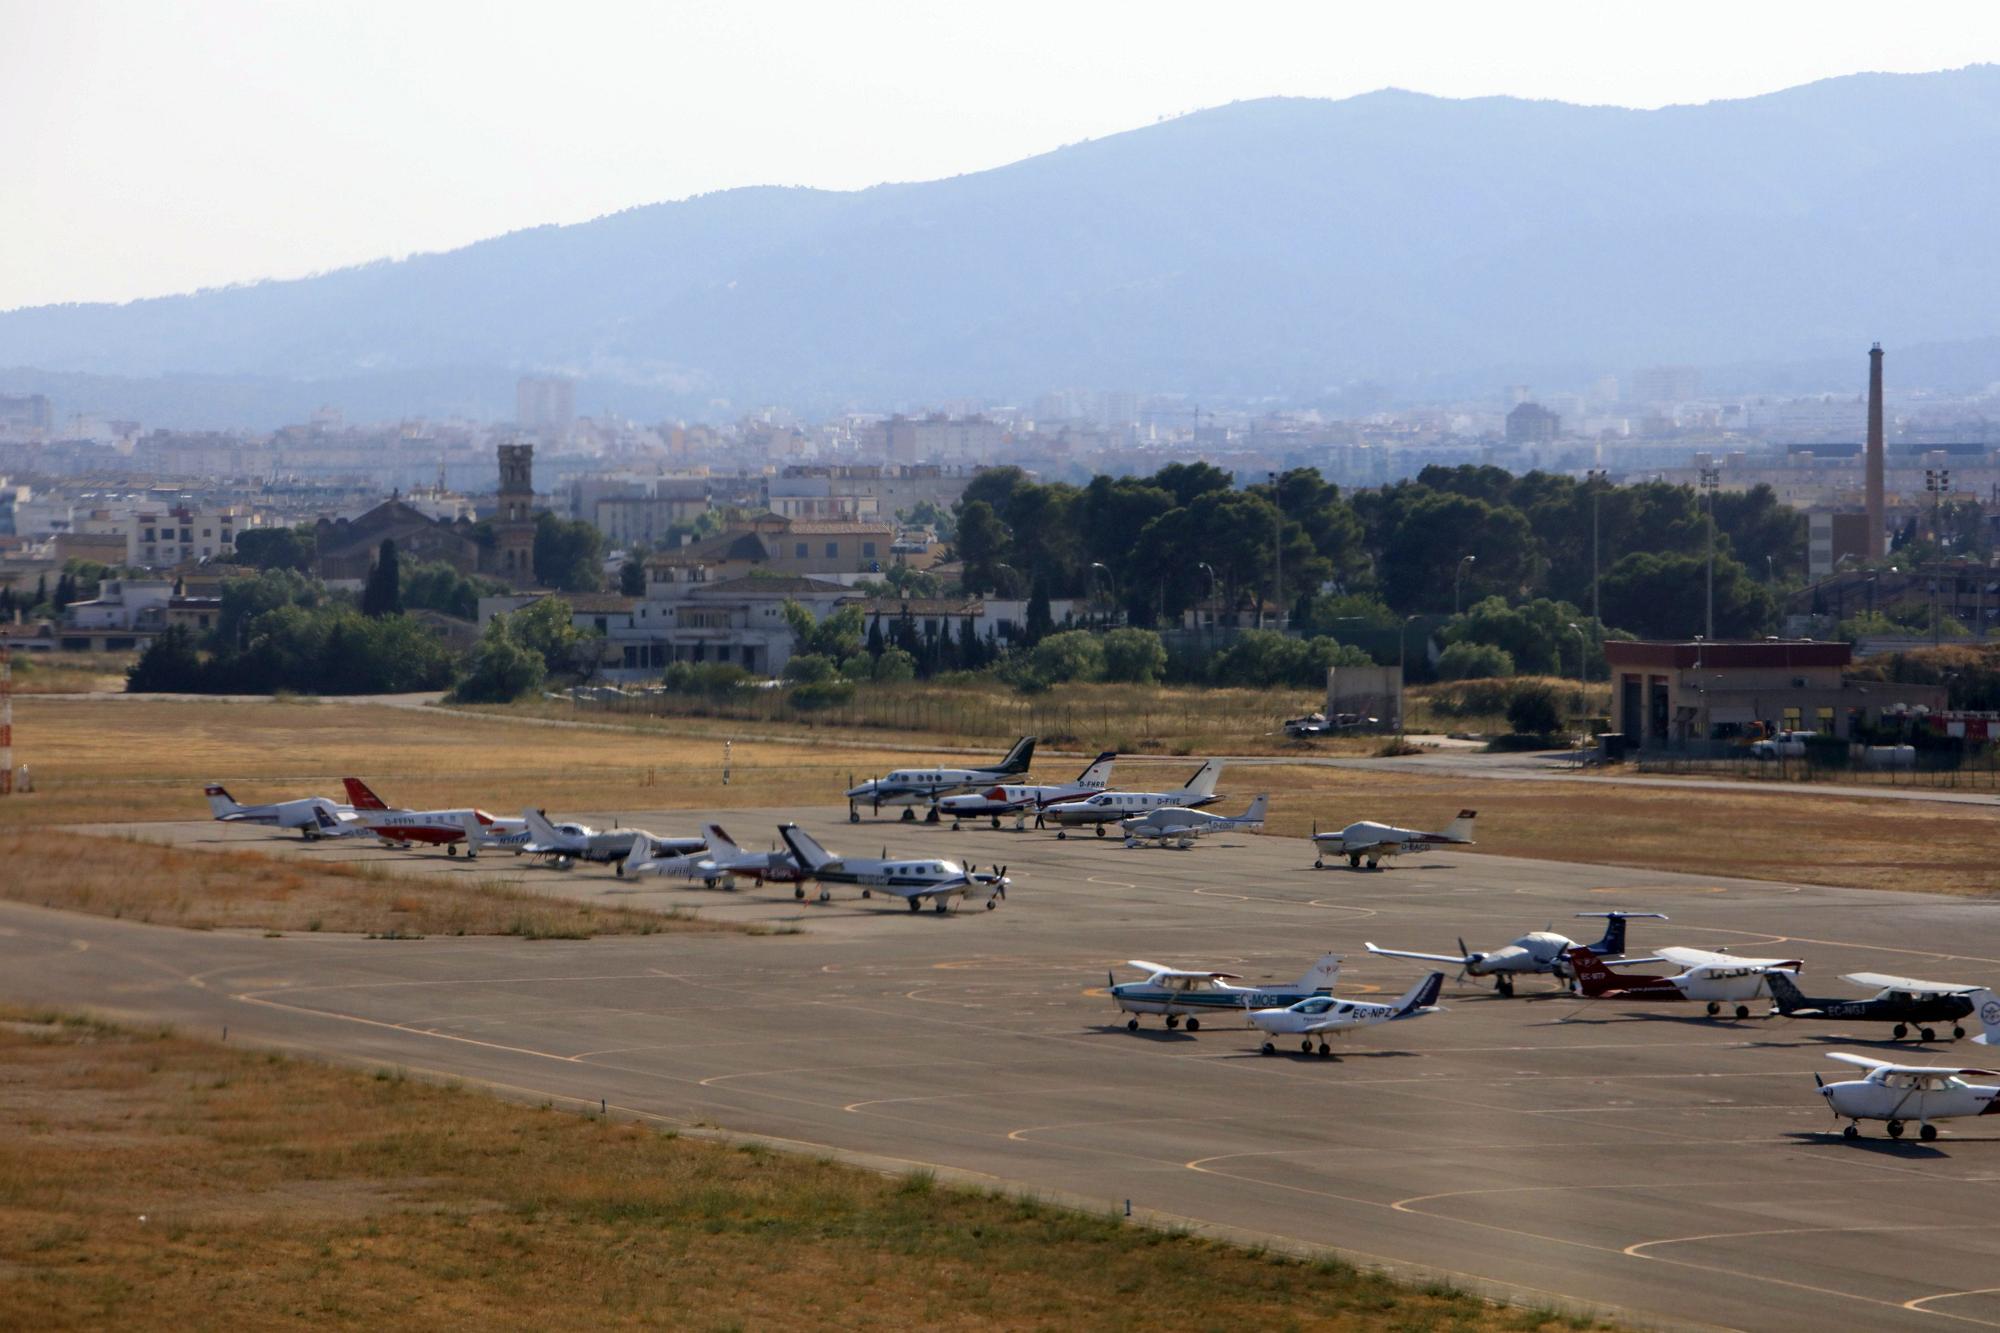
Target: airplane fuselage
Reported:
point(1900, 1097)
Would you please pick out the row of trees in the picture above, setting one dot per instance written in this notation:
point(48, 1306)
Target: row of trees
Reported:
point(568, 553)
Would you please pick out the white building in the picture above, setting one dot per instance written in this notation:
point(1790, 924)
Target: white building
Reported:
point(160, 538)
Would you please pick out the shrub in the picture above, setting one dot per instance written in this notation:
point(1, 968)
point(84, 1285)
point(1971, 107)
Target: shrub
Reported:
point(894, 665)
point(1135, 655)
point(501, 669)
point(811, 669)
point(1071, 655)
point(714, 679)
point(1533, 711)
point(1474, 661)
point(812, 695)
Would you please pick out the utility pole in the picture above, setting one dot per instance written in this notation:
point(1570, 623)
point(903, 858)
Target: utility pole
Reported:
point(1456, 574)
point(1937, 481)
point(1278, 552)
point(1710, 479)
point(1595, 480)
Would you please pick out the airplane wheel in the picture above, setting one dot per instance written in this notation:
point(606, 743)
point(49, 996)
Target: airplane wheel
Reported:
point(909, 814)
point(1194, 1025)
point(1930, 1035)
point(450, 850)
point(1318, 864)
point(1503, 985)
point(1902, 1031)
point(1325, 1050)
point(1173, 1020)
point(956, 826)
point(1374, 865)
point(1306, 1046)
point(1927, 1133)
point(620, 869)
point(854, 816)
point(1713, 1008)
point(1131, 1025)
point(939, 908)
point(1354, 863)
point(1062, 835)
point(1851, 1132)
point(1895, 1129)
point(1957, 1031)
point(1100, 830)
point(996, 823)
point(868, 893)
point(1743, 1011)
point(915, 906)
point(799, 892)
point(1269, 1049)
point(825, 896)
point(990, 904)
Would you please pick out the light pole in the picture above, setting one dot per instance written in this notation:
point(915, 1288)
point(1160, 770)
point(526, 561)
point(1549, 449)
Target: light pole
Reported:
point(1402, 672)
point(1582, 669)
point(1277, 551)
point(1595, 480)
point(1456, 574)
point(1212, 582)
point(1937, 481)
point(1099, 564)
point(1710, 479)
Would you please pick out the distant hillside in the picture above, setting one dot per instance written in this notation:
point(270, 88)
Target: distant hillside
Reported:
point(1274, 247)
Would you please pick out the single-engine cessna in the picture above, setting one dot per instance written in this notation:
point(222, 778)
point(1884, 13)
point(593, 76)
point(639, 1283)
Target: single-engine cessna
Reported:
point(1922, 1006)
point(1017, 800)
point(1112, 807)
point(302, 814)
point(913, 879)
point(1902, 1093)
point(1371, 841)
point(1174, 991)
point(916, 786)
point(1326, 1015)
point(1539, 952)
point(567, 843)
point(1178, 826)
point(1715, 978)
point(446, 828)
point(723, 862)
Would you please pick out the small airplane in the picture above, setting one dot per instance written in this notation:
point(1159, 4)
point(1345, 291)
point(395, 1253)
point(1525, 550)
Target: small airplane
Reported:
point(1174, 991)
point(302, 814)
point(1006, 799)
point(1539, 952)
point(567, 843)
point(723, 862)
point(1180, 826)
point(1110, 807)
point(1373, 841)
point(1325, 1015)
point(912, 880)
point(446, 828)
point(1901, 1093)
point(1711, 977)
point(1907, 1003)
point(913, 786)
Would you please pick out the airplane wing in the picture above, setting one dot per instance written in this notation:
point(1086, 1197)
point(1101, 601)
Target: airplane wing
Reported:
point(1684, 957)
point(1426, 957)
point(1888, 1067)
point(1159, 970)
point(1883, 981)
point(1659, 957)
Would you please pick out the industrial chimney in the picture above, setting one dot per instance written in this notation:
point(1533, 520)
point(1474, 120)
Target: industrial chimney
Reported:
point(1877, 518)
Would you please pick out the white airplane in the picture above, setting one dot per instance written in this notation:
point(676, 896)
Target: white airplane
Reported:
point(1180, 826)
point(303, 814)
point(567, 843)
point(1174, 991)
point(914, 786)
point(1109, 807)
point(723, 862)
point(1325, 1015)
point(912, 879)
point(1715, 978)
point(1898, 1094)
point(1539, 952)
point(446, 828)
point(1007, 799)
point(1373, 841)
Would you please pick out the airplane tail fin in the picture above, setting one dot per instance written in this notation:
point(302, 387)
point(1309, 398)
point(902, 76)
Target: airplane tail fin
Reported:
point(220, 802)
point(1204, 779)
point(1321, 976)
point(1019, 757)
point(475, 835)
point(1255, 814)
point(360, 797)
point(1784, 994)
point(1987, 1008)
point(1098, 774)
point(719, 841)
point(1421, 996)
point(1592, 976)
point(805, 848)
point(1613, 943)
point(539, 827)
point(1460, 829)
point(327, 823)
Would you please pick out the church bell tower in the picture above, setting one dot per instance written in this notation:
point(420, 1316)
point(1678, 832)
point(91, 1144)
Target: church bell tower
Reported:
point(514, 524)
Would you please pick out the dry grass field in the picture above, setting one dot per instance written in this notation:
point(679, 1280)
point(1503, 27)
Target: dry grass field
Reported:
point(140, 881)
point(151, 1179)
point(70, 673)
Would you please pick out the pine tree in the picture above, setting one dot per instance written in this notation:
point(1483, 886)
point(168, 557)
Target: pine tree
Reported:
point(875, 641)
point(383, 593)
point(969, 656)
point(1040, 623)
point(65, 592)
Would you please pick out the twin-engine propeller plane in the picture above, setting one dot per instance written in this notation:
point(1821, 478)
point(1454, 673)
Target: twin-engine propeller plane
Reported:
point(1019, 800)
point(1898, 1094)
point(1324, 1016)
point(910, 787)
point(315, 817)
point(1176, 992)
point(567, 843)
point(1115, 807)
point(914, 880)
point(1922, 1006)
point(1713, 978)
point(1178, 826)
point(1370, 841)
point(1538, 953)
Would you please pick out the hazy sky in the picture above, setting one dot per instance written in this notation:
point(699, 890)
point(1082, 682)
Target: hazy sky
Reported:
point(163, 145)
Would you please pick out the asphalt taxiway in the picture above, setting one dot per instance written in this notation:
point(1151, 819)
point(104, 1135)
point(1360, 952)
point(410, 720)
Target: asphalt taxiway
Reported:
point(1653, 1164)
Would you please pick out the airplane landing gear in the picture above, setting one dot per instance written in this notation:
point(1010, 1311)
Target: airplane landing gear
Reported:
point(1374, 863)
point(1895, 1129)
point(619, 870)
point(1062, 835)
point(933, 816)
point(1194, 1025)
point(825, 896)
point(1713, 1008)
point(1173, 1020)
point(1902, 1030)
point(1306, 1046)
point(916, 906)
point(1927, 1133)
point(939, 907)
point(1354, 860)
point(1930, 1034)
point(909, 814)
point(1319, 863)
point(1100, 830)
point(1503, 986)
point(799, 892)
point(450, 849)
point(1851, 1132)
point(956, 826)
point(1325, 1050)
point(1743, 1011)
point(1269, 1049)
point(996, 823)
point(853, 814)
point(1957, 1031)
point(1131, 1025)
point(868, 893)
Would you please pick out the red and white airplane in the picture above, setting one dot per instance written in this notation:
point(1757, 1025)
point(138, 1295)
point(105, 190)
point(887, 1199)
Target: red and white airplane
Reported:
point(1019, 799)
point(435, 828)
point(1713, 978)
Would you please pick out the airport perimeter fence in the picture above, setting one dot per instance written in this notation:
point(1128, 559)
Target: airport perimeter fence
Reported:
point(1939, 769)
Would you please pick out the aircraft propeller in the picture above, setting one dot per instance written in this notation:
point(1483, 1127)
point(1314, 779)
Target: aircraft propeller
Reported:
point(1463, 952)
